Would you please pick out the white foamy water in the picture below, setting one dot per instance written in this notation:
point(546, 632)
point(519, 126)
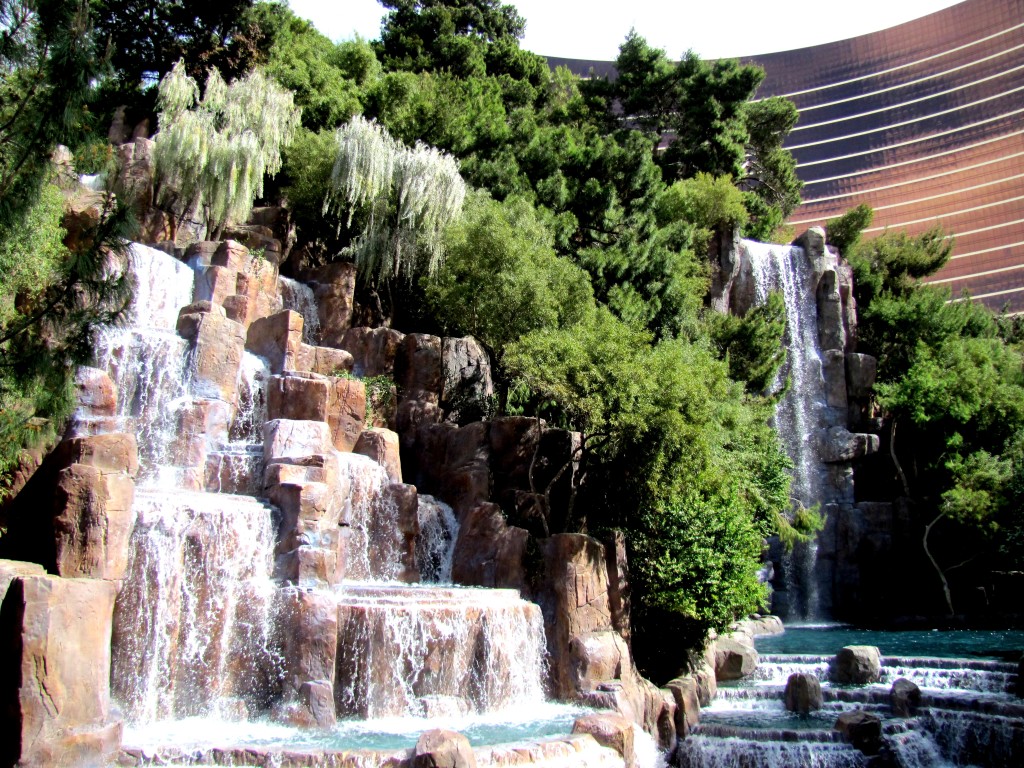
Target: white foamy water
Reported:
point(411, 651)
point(193, 624)
point(298, 297)
point(435, 547)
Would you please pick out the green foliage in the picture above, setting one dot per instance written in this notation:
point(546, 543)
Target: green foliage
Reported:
point(412, 195)
point(51, 299)
point(502, 278)
point(214, 153)
point(894, 263)
point(770, 171)
point(843, 232)
point(308, 163)
point(752, 344)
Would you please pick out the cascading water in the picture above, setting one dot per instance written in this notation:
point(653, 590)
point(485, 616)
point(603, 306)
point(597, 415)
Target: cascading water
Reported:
point(787, 270)
point(966, 714)
point(435, 547)
point(197, 627)
point(299, 297)
point(193, 626)
point(147, 359)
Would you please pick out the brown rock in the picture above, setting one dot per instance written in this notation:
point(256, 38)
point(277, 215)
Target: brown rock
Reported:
point(276, 338)
point(201, 253)
point(861, 729)
point(311, 644)
point(597, 657)
point(318, 697)
point(218, 344)
point(856, 665)
point(334, 287)
point(93, 522)
point(13, 569)
point(687, 698)
point(489, 553)
point(346, 411)
point(299, 397)
point(418, 367)
point(406, 503)
point(373, 350)
point(111, 453)
point(381, 445)
point(443, 749)
point(733, 660)
point(466, 371)
point(707, 683)
point(288, 441)
point(610, 730)
point(323, 360)
point(618, 583)
point(803, 693)
point(96, 393)
point(215, 284)
point(55, 672)
point(231, 254)
point(904, 697)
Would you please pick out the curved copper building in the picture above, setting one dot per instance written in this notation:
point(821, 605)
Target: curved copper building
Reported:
point(924, 122)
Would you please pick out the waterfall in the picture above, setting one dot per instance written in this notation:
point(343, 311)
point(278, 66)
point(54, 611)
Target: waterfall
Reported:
point(299, 297)
point(422, 652)
point(787, 270)
point(146, 359)
point(193, 625)
point(435, 547)
point(374, 541)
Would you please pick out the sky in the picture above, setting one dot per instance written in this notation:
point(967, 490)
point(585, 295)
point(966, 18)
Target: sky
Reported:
point(594, 29)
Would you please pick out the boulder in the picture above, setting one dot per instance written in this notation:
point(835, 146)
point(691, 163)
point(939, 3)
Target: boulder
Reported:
point(215, 283)
point(488, 552)
point(443, 749)
point(707, 683)
point(685, 692)
point(382, 446)
point(318, 698)
point(55, 672)
point(112, 453)
point(610, 730)
point(13, 569)
point(833, 371)
point(418, 372)
point(95, 393)
point(466, 373)
point(405, 501)
point(904, 697)
point(733, 660)
point(297, 396)
point(838, 444)
point(856, 665)
point(231, 254)
point(373, 350)
point(596, 657)
point(323, 360)
point(619, 601)
point(803, 693)
point(346, 411)
point(861, 729)
point(831, 330)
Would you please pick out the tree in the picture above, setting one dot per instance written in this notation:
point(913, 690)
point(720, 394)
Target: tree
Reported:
point(51, 298)
point(843, 232)
point(502, 278)
point(213, 154)
point(409, 197)
point(773, 188)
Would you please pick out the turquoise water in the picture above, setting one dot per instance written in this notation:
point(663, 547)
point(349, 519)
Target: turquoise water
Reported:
point(548, 719)
point(826, 640)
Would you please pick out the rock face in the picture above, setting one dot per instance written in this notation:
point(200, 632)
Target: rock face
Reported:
point(55, 672)
point(803, 693)
point(443, 749)
point(733, 660)
point(856, 665)
point(610, 730)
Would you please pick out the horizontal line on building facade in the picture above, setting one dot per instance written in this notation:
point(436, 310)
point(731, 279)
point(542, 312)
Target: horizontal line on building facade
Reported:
point(918, 140)
point(904, 66)
point(909, 83)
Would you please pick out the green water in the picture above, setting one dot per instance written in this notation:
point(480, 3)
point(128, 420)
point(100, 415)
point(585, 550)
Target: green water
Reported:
point(825, 640)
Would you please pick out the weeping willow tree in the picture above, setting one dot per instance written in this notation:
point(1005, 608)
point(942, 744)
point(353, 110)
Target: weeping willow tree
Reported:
point(213, 153)
point(408, 196)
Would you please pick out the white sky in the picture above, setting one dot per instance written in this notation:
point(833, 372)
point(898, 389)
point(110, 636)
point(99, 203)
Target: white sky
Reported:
point(594, 29)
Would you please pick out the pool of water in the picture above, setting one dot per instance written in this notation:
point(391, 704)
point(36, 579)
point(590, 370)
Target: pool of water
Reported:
point(826, 640)
point(535, 722)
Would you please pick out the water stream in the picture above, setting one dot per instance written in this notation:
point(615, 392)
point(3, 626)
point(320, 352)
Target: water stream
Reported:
point(787, 270)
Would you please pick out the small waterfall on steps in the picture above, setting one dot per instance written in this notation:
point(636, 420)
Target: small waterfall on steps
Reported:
point(199, 623)
point(787, 270)
point(967, 716)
